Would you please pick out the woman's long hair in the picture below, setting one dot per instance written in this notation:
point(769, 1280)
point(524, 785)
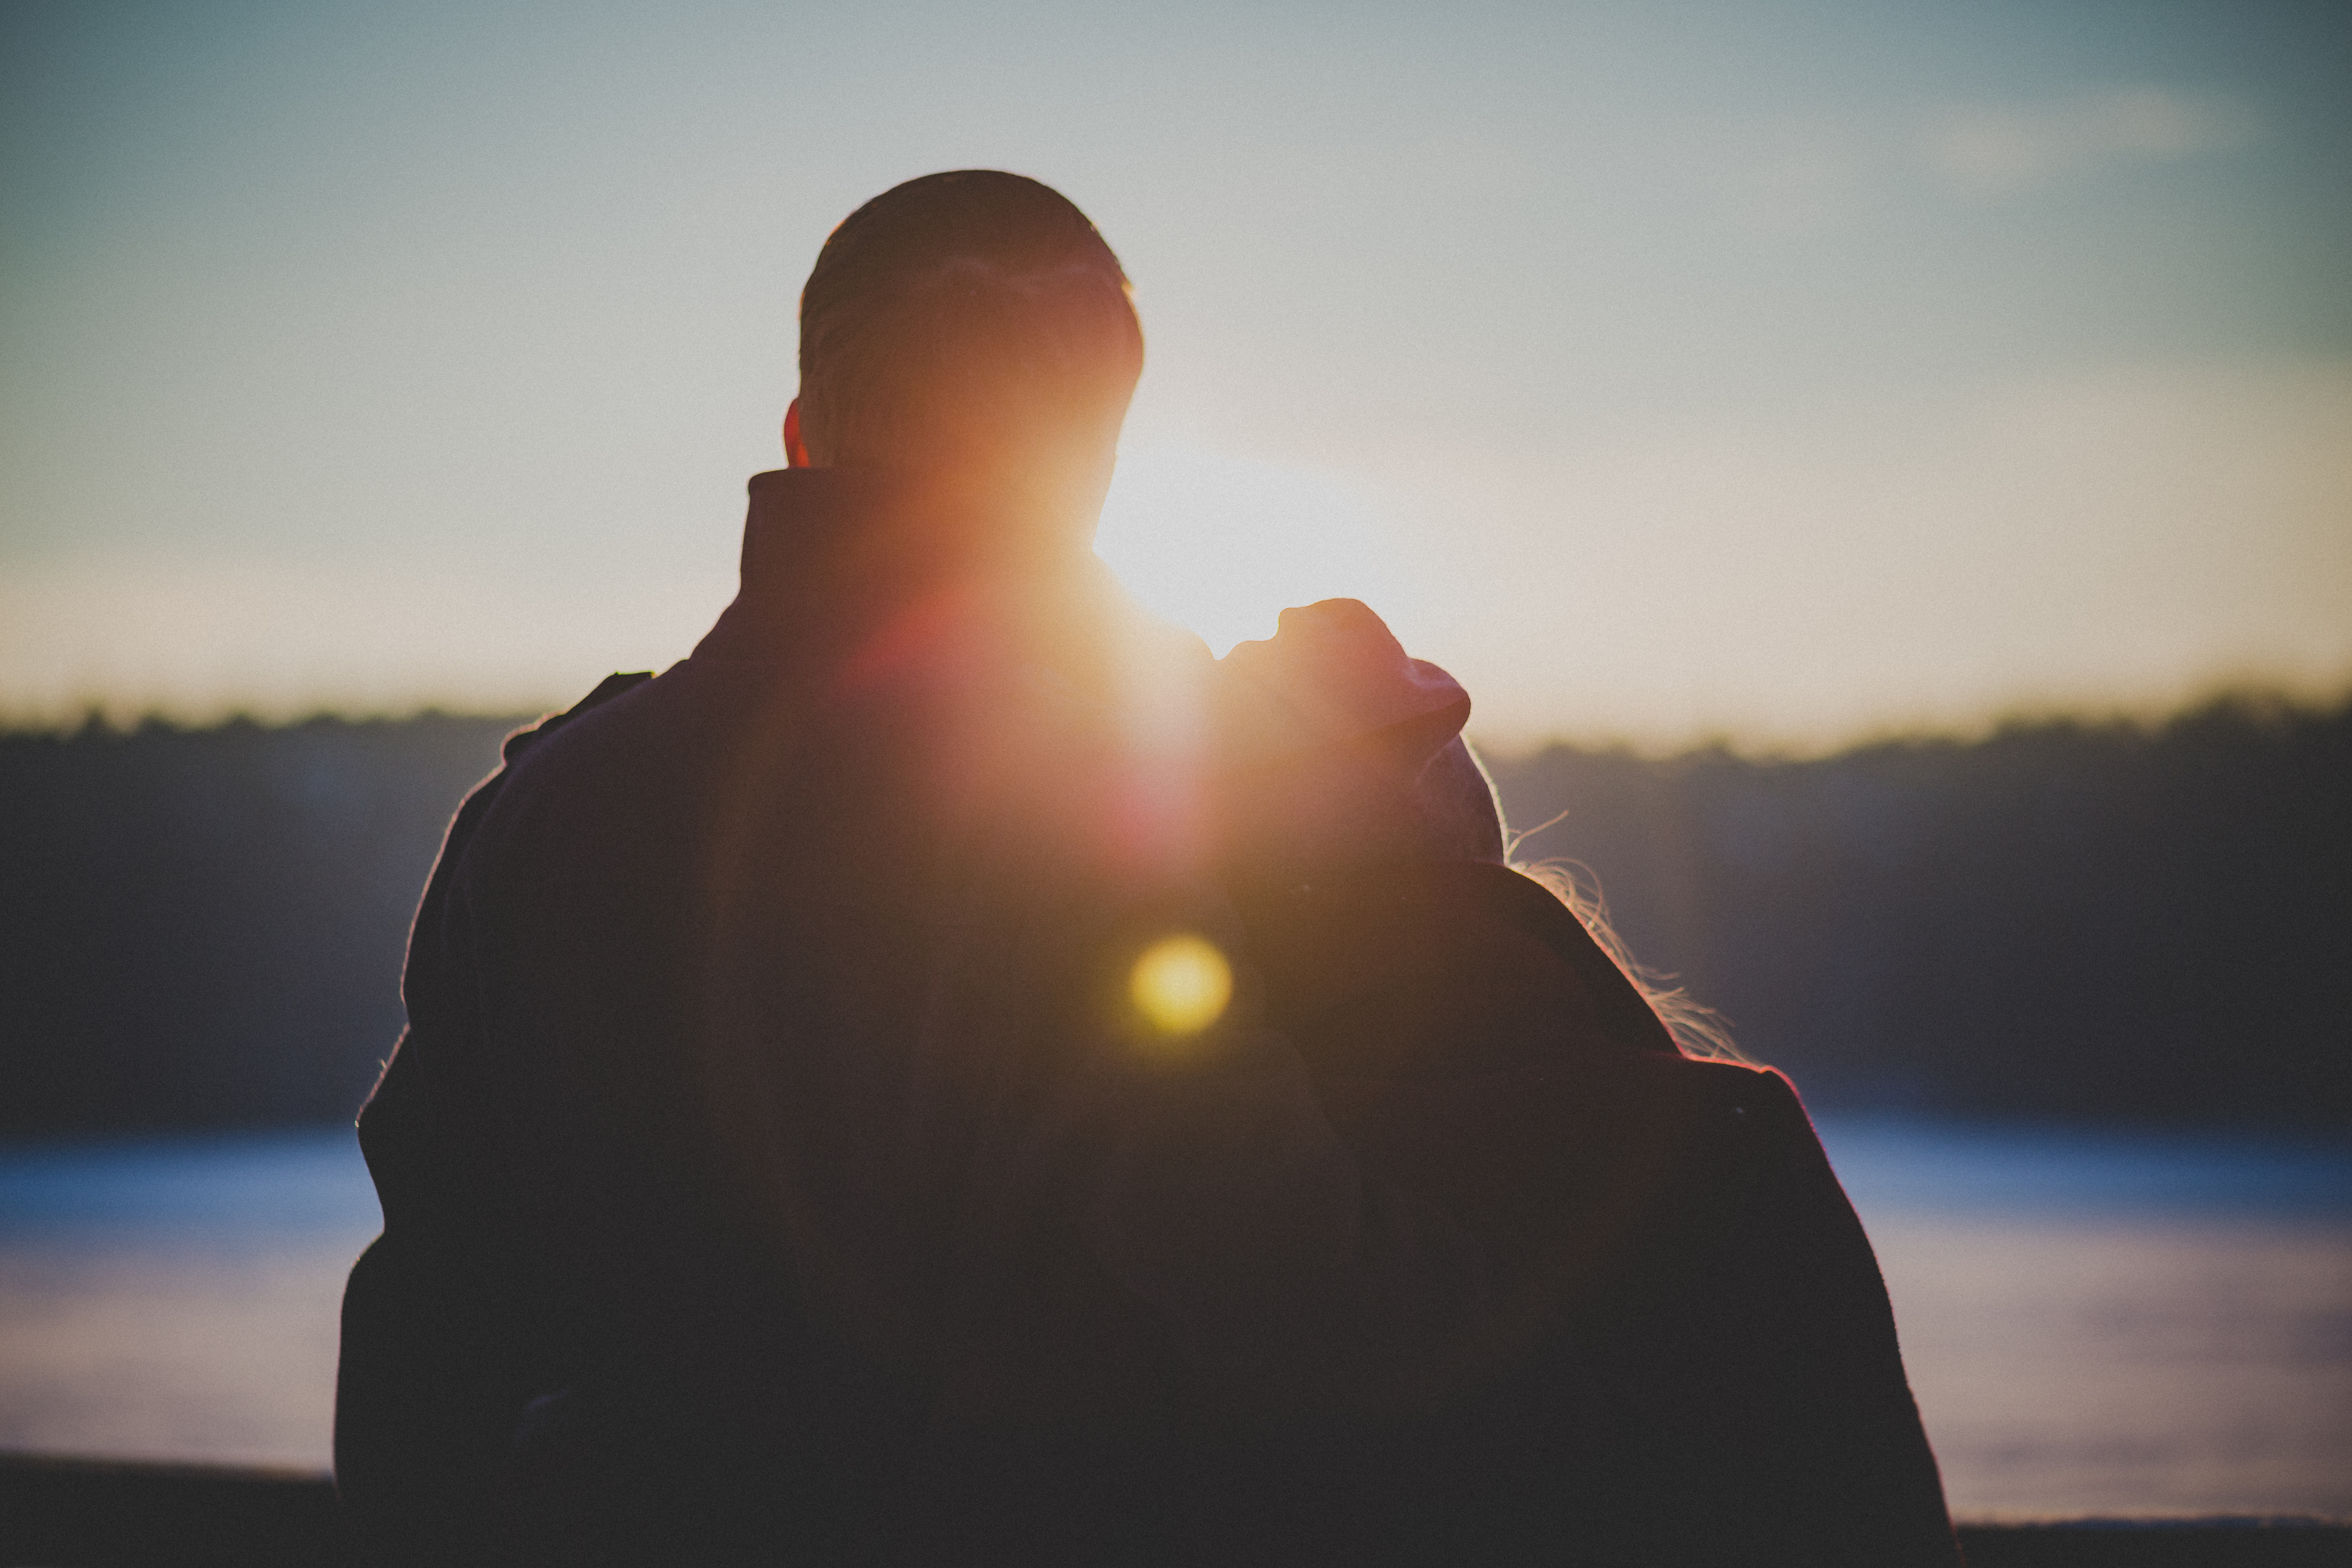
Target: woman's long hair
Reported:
point(1698, 1029)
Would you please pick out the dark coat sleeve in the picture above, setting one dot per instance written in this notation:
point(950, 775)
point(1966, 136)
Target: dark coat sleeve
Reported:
point(429, 1378)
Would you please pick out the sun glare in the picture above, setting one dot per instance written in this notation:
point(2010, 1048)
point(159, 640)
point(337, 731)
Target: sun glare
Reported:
point(1182, 985)
point(1222, 544)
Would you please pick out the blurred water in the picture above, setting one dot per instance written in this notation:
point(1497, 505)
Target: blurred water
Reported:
point(177, 1299)
point(2109, 1322)
point(2096, 1322)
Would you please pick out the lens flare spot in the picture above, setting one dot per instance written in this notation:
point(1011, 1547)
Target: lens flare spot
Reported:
point(1182, 985)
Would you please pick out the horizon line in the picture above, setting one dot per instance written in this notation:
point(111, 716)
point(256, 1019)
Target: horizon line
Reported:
point(2269, 701)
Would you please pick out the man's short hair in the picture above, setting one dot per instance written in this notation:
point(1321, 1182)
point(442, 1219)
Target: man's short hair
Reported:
point(961, 317)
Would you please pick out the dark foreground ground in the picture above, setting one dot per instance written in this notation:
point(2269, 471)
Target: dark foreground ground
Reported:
point(65, 1513)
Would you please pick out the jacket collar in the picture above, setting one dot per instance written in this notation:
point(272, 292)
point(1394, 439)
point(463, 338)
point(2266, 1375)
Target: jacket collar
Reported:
point(829, 551)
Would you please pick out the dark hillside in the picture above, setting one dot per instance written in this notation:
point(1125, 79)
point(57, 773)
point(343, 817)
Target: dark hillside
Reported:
point(204, 926)
point(2062, 919)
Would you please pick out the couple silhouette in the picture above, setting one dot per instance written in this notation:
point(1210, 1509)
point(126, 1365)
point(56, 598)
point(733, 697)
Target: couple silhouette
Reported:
point(951, 1073)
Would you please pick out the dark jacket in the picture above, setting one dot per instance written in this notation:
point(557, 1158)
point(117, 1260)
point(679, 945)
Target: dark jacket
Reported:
point(1691, 1358)
point(774, 1169)
point(1693, 1361)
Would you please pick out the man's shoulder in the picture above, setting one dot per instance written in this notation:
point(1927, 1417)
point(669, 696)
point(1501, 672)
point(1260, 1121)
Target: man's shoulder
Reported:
point(816, 792)
point(619, 683)
point(585, 785)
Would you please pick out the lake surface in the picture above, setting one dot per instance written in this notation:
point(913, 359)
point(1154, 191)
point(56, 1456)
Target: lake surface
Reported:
point(2094, 1322)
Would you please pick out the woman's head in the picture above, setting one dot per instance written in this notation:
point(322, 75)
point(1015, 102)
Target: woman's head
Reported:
point(1340, 751)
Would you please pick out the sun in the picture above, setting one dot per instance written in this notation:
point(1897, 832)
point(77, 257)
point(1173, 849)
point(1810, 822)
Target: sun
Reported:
point(1222, 545)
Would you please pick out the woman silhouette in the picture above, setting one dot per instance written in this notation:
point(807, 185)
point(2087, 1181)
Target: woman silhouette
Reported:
point(1697, 1362)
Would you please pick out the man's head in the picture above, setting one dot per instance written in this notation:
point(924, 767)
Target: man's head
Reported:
point(972, 325)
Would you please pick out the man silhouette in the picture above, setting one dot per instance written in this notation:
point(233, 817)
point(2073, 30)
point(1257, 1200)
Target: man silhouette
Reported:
point(789, 1157)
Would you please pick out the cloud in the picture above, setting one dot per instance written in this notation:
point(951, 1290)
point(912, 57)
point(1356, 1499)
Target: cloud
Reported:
point(1995, 151)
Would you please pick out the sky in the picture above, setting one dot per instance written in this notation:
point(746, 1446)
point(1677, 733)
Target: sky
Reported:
point(1785, 374)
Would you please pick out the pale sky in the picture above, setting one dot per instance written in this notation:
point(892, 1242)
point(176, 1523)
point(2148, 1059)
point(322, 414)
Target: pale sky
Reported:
point(1784, 371)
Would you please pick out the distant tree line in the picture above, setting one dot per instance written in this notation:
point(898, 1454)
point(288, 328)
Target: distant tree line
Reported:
point(2063, 919)
point(204, 926)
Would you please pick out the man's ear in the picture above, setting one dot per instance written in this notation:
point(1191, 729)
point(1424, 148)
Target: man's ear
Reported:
point(795, 449)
